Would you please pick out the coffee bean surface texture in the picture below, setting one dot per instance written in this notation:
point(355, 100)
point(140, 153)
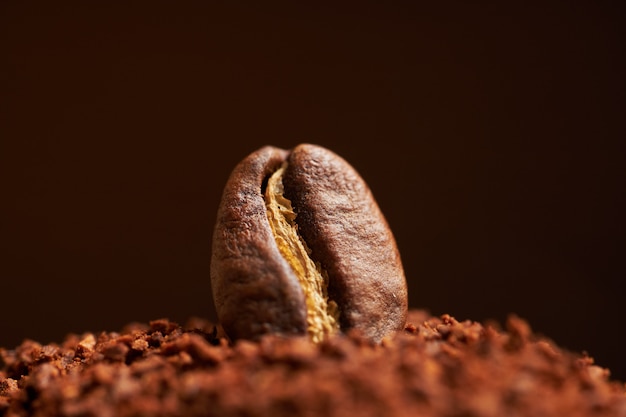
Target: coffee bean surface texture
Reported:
point(300, 247)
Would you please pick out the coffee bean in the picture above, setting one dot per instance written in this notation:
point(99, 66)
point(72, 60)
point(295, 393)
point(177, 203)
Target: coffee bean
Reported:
point(301, 247)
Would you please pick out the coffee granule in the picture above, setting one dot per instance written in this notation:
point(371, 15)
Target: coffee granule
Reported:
point(435, 367)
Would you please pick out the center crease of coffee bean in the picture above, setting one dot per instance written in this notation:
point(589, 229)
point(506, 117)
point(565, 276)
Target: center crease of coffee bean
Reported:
point(322, 313)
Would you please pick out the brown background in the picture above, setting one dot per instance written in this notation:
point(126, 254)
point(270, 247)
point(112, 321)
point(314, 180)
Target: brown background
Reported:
point(493, 139)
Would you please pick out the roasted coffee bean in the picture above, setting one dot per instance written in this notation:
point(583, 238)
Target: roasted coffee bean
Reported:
point(301, 247)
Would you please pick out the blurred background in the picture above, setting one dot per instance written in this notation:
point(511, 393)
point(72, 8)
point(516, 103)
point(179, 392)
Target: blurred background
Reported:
point(492, 137)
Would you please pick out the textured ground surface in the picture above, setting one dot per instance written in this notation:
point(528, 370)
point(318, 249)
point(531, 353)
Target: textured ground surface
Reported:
point(436, 367)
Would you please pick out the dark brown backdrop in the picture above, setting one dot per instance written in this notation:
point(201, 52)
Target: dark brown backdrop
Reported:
point(492, 138)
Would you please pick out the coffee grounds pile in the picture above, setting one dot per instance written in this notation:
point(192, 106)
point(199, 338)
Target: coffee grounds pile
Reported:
point(436, 367)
